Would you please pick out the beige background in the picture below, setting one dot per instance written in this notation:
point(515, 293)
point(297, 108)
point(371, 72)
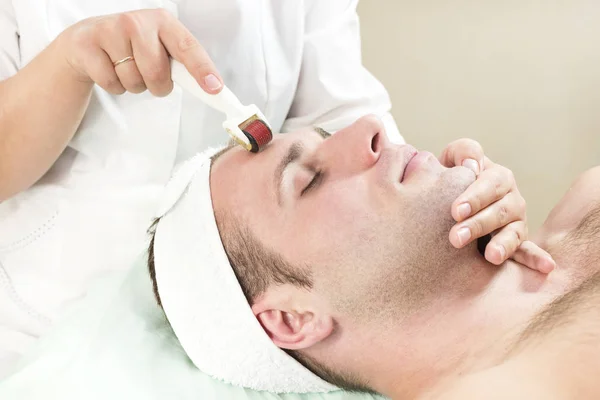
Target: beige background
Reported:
point(520, 76)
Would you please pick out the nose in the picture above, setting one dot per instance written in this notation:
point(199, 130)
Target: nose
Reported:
point(356, 147)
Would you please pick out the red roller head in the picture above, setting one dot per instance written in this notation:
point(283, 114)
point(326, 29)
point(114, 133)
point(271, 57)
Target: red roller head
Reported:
point(258, 133)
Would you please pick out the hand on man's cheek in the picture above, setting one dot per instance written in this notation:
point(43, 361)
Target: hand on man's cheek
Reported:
point(492, 205)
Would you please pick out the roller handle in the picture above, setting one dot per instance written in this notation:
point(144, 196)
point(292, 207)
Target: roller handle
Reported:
point(225, 101)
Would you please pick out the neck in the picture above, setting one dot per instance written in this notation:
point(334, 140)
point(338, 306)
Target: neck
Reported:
point(465, 331)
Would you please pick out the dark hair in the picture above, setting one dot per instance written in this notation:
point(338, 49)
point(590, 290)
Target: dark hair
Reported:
point(256, 267)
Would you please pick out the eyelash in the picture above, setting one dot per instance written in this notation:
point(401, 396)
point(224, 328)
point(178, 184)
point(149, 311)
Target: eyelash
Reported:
point(313, 183)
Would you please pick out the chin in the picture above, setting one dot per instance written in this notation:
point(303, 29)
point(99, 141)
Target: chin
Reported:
point(441, 183)
point(457, 179)
point(430, 207)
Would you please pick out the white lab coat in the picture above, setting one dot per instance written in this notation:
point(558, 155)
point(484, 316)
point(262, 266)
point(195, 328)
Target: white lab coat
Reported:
point(298, 61)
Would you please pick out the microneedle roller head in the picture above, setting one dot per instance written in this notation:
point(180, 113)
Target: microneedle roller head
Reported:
point(258, 133)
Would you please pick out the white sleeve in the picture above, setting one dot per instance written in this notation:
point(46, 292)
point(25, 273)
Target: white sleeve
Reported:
point(335, 88)
point(9, 40)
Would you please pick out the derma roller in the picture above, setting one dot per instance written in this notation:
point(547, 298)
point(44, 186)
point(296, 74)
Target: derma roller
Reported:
point(246, 124)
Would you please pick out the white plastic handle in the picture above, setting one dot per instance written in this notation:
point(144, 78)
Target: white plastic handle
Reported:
point(225, 101)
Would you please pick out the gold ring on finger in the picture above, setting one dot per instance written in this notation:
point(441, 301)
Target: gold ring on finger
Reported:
point(123, 60)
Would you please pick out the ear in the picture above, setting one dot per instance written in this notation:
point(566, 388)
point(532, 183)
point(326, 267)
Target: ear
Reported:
point(290, 325)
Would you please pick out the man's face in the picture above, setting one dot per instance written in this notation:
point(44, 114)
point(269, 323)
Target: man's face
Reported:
point(368, 217)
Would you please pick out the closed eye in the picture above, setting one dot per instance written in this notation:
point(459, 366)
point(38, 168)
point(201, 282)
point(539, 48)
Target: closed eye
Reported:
point(316, 180)
point(318, 177)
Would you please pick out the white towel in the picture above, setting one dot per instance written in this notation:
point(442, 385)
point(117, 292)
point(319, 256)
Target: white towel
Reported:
point(203, 300)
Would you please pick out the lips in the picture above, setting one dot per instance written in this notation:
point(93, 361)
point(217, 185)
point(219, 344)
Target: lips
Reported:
point(416, 162)
point(409, 154)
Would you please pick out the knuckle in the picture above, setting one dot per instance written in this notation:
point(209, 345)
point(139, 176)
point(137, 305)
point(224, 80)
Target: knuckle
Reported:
point(100, 24)
point(522, 204)
point(510, 175)
point(502, 215)
point(123, 18)
point(518, 235)
point(476, 205)
point(475, 202)
point(82, 37)
point(161, 14)
point(187, 43)
point(509, 243)
point(498, 184)
point(476, 227)
point(527, 248)
point(507, 173)
point(129, 23)
point(488, 189)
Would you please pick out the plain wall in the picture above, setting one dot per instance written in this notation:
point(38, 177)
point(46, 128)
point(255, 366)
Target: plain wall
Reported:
point(521, 77)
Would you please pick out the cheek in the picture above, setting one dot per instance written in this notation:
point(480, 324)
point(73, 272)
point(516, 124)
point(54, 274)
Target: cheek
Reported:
point(334, 222)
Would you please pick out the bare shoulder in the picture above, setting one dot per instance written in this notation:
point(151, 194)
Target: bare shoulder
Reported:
point(582, 198)
point(553, 358)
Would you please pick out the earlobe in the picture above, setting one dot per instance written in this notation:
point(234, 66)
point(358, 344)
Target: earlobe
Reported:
point(294, 330)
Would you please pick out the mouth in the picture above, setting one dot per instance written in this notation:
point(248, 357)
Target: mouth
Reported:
point(419, 159)
point(409, 155)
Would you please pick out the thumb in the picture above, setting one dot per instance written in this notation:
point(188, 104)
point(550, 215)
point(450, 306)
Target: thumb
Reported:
point(463, 152)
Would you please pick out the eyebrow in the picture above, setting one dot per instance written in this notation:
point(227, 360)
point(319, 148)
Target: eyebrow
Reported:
point(294, 153)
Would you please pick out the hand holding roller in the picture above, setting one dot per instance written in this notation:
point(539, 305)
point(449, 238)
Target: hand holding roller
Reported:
point(246, 124)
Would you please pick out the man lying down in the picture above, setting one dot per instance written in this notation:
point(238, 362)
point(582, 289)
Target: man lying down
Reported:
point(335, 250)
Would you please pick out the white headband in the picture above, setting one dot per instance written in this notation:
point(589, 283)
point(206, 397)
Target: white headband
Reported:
point(203, 300)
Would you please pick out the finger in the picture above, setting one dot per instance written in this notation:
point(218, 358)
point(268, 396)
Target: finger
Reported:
point(506, 242)
point(491, 185)
point(534, 257)
point(153, 62)
point(464, 152)
point(510, 208)
point(130, 76)
point(185, 48)
point(118, 46)
point(100, 69)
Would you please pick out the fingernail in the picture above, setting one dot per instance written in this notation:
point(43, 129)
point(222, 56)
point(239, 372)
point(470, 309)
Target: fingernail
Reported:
point(472, 165)
point(464, 210)
point(502, 251)
point(212, 82)
point(464, 234)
